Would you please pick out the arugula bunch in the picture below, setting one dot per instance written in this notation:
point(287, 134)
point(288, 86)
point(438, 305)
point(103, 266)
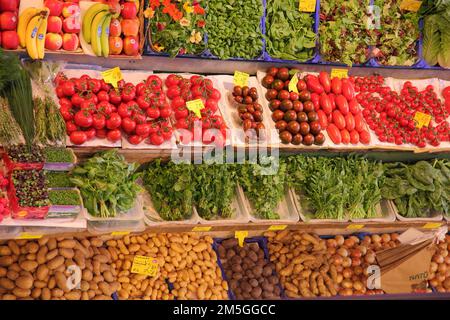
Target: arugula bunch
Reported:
point(107, 184)
point(418, 188)
point(289, 32)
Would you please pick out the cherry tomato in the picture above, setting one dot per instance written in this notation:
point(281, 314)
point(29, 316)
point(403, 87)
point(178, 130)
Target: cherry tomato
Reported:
point(114, 135)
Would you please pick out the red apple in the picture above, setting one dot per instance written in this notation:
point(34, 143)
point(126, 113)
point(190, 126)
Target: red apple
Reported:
point(115, 29)
point(70, 42)
point(9, 5)
point(131, 46)
point(70, 9)
point(130, 27)
point(129, 10)
point(8, 20)
point(10, 40)
point(53, 41)
point(71, 25)
point(115, 7)
point(55, 7)
point(115, 45)
point(54, 24)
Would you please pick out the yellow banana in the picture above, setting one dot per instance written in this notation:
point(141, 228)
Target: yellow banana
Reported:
point(89, 17)
point(104, 39)
point(31, 35)
point(96, 32)
point(24, 20)
point(40, 39)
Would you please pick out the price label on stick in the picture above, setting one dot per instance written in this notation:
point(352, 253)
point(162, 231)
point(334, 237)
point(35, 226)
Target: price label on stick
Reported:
point(278, 227)
point(293, 83)
point(339, 73)
point(307, 5)
point(28, 236)
point(432, 225)
point(195, 106)
point(145, 265)
point(120, 233)
point(355, 226)
point(240, 78)
point(201, 229)
point(112, 76)
point(241, 235)
point(422, 119)
point(410, 5)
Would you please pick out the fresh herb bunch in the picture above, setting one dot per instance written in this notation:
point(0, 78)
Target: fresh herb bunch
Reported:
point(264, 186)
point(50, 125)
point(343, 33)
point(289, 32)
point(64, 197)
point(10, 132)
point(399, 34)
point(171, 188)
point(214, 190)
point(418, 188)
point(233, 28)
point(107, 184)
point(31, 188)
point(23, 153)
point(54, 155)
point(336, 188)
point(57, 179)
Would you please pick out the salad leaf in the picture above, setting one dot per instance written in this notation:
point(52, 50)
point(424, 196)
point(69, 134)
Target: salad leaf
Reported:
point(431, 40)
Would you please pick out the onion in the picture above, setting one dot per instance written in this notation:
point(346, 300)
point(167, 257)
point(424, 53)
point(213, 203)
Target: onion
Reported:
point(356, 253)
point(342, 252)
point(331, 250)
point(442, 246)
point(438, 258)
point(434, 283)
point(386, 237)
point(358, 286)
point(349, 243)
point(356, 262)
point(347, 262)
point(432, 275)
point(337, 260)
point(347, 273)
point(347, 284)
point(394, 236)
point(339, 268)
point(447, 284)
point(440, 277)
point(370, 257)
point(376, 238)
point(358, 293)
point(340, 240)
point(355, 239)
point(441, 289)
point(331, 243)
point(447, 259)
point(363, 250)
point(346, 292)
point(367, 239)
point(339, 278)
point(442, 268)
point(433, 267)
point(443, 253)
point(358, 270)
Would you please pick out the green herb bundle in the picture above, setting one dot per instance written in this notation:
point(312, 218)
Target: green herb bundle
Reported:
point(264, 187)
point(10, 132)
point(418, 188)
point(107, 184)
point(171, 188)
point(214, 190)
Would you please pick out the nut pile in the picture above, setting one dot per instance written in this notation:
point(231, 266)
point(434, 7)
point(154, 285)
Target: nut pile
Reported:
point(250, 275)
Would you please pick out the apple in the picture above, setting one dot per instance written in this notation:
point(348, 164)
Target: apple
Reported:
point(131, 46)
point(55, 7)
point(115, 45)
point(70, 9)
point(115, 7)
point(8, 20)
point(9, 5)
point(54, 24)
point(115, 28)
point(129, 10)
point(71, 25)
point(10, 40)
point(53, 41)
point(130, 27)
point(70, 42)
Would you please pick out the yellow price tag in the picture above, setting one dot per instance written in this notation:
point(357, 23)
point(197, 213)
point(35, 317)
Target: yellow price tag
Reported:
point(195, 106)
point(278, 227)
point(432, 225)
point(201, 229)
point(293, 83)
point(241, 235)
point(339, 73)
point(240, 78)
point(410, 5)
point(28, 236)
point(112, 76)
point(422, 119)
point(145, 265)
point(307, 5)
point(355, 226)
point(120, 233)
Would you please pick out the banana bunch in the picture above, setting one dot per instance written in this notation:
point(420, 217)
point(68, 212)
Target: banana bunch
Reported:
point(95, 28)
point(32, 29)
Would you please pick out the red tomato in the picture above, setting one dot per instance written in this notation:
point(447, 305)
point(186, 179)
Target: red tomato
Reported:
point(94, 85)
point(83, 119)
point(139, 117)
point(325, 104)
point(144, 102)
point(76, 100)
point(68, 88)
point(334, 133)
point(113, 122)
point(128, 92)
point(105, 86)
point(348, 91)
point(103, 96)
point(101, 134)
point(156, 138)
point(217, 121)
point(173, 92)
point(353, 106)
point(324, 80)
point(315, 98)
point(165, 112)
point(78, 137)
point(177, 102)
point(64, 102)
point(88, 106)
point(322, 119)
point(66, 112)
point(135, 139)
point(105, 107)
point(99, 121)
point(345, 136)
point(181, 112)
point(153, 112)
point(166, 132)
point(359, 122)
point(342, 104)
point(212, 104)
point(128, 125)
point(313, 85)
point(60, 92)
point(143, 130)
point(215, 94)
point(349, 122)
point(338, 119)
point(154, 127)
point(124, 111)
point(332, 98)
point(446, 93)
point(172, 80)
point(336, 86)
point(114, 135)
point(114, 97)
point(364, 137)
point(71, 127)
point(154, 82)
point(354, 137)
point(90, 133)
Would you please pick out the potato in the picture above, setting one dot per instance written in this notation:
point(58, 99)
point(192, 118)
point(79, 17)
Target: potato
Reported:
point(21, 293)
point(6, 261)
point(28, 265)
point(73, 295)
point(14, 247)
point(5, 251)
point(25, 282)
point(46, 294)
point(67, 244)
point(67, 253)
point(55, 262)
point(6, 284)
point(42, 272)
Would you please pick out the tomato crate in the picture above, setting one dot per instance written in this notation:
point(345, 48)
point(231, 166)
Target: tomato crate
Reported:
point(18, 212)
point(11, 165)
